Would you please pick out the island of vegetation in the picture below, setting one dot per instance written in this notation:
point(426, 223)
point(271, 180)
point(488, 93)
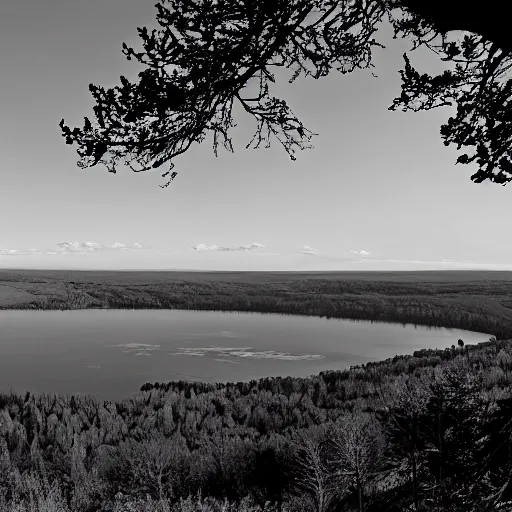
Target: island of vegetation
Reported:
point(428, 431)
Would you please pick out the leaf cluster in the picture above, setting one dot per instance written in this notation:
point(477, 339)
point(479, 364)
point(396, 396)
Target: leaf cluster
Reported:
point(200, 61)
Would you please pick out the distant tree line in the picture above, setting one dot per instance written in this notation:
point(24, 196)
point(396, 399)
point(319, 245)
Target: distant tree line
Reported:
point(479, 307)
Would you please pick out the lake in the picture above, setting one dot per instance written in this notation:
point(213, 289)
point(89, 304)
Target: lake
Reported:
point(111, 353)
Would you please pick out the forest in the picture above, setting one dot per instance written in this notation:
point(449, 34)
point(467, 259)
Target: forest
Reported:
point(429, 431)
point(482, 305)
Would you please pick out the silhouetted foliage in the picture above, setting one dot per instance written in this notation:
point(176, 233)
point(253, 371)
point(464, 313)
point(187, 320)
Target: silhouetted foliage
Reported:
point(204, 53)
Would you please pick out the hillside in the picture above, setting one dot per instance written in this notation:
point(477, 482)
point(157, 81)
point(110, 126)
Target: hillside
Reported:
point(432, 428)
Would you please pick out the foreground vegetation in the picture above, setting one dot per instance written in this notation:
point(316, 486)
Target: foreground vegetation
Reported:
point(481, 302)
point(429, 431)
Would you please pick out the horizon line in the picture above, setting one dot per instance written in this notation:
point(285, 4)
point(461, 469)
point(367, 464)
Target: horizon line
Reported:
point(254, 271)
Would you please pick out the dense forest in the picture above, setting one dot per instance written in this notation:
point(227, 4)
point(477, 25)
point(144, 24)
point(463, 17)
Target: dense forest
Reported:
point(429, 431)
point(481, 306)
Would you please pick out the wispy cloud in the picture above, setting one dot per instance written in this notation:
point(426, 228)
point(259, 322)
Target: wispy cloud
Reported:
point(73, 248)
point(13, 252)
point(88, 247)
point(447, 264)
point(81, 247)
point(307, 249)
point(362, 253)
point(255, 246)
point(202, 247)
point(305, 259)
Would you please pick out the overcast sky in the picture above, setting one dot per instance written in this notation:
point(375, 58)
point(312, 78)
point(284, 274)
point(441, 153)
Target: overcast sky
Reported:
point(378, 191)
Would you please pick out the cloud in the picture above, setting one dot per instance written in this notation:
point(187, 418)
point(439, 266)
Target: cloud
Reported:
point(202, 247)
point(88, 247)
point(81, 247)
point(16, 252)
point(9, 252)
point(255, 246)
point(447, 264)
point(307, 249)
point(362, 253)
point(75, 247)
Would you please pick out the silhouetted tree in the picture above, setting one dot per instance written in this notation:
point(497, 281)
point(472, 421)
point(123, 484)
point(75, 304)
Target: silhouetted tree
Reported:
point(205, 52)
point(403, 416)
point(270, 474)
point(451, 432)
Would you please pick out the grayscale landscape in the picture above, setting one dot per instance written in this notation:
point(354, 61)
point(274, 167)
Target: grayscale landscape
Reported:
point(254, 256)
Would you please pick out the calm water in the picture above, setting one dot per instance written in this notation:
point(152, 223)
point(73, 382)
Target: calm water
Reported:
point(111, 353)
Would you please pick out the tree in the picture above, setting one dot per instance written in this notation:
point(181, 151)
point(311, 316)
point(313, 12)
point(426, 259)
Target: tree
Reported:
point(144, 467)
point(270, 475)
point(451, 432)
point(312, 473)
point(357, 447)
point(225, 463)
point(403, 416)
point(496, 454)
point(5, 469)
point(205, 53)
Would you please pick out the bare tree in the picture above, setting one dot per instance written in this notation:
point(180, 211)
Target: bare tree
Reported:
point(312, 471)
point(356, 448)
point(150, 463)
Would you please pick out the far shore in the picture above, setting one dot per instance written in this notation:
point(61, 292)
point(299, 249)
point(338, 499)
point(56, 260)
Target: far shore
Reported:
point(479, 301)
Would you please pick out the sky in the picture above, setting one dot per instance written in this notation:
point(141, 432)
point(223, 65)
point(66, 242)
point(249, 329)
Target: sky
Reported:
point(379, 191)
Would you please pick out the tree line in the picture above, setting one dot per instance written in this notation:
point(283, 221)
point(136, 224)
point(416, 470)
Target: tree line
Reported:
point(479, 307)
point(429, 431)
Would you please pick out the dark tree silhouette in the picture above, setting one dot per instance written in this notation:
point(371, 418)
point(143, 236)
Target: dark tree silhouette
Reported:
point(460, 343)
point(201, 59)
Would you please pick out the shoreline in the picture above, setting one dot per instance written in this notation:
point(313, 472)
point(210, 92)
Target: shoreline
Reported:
point(483, 306)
